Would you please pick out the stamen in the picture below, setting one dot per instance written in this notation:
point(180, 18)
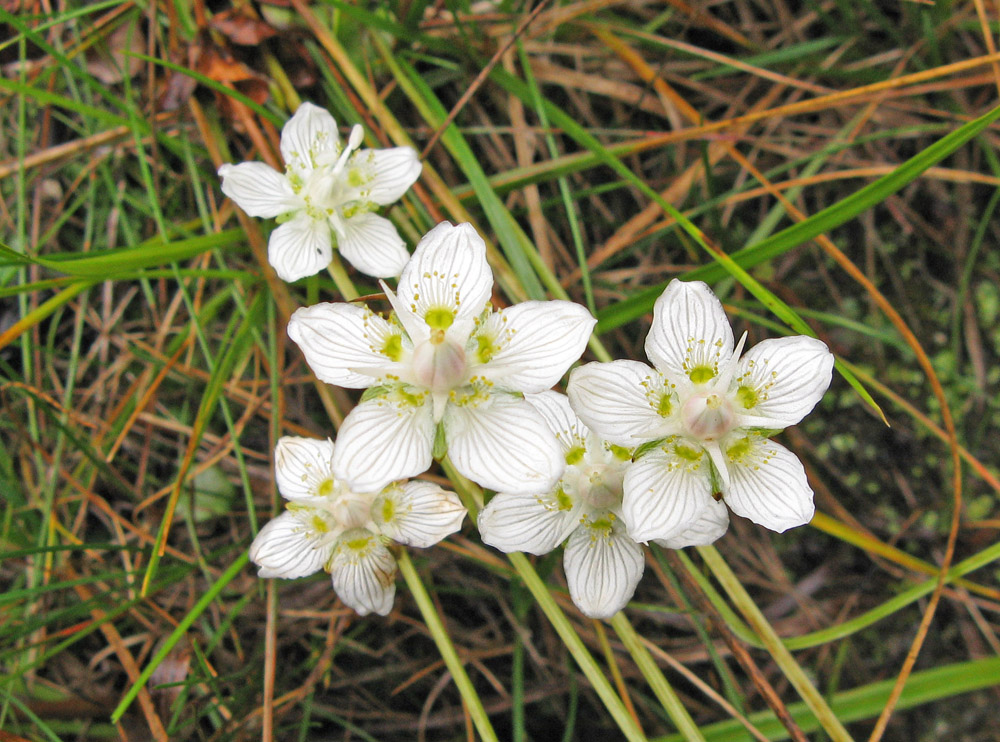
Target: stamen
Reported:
point(411, 324)
point(719, 461)
point(722, 383)
point(353, 142)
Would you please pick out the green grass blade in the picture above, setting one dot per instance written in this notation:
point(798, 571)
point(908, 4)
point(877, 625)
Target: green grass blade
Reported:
point(823, 221)
point(178, 633)
point(867, 701)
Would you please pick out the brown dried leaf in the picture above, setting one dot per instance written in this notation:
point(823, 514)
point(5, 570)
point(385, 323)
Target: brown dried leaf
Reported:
point(241, 28)
point(108, 61)
point(221, 67)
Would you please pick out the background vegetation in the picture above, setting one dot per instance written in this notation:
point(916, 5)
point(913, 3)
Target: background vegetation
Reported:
point(821, 163)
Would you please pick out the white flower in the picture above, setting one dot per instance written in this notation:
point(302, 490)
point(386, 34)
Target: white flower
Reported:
point(329, 526)
point(603, 564)
point(326, 197)
point(704, 415)
point(445, 370)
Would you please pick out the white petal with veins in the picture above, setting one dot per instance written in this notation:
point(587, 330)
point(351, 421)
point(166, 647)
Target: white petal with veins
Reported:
point(311, 132)
point(286, 547)
point(603, 566)
point(768, 484)
point(535, 524)
point(371, 244)
point(782, 379)
point(300, 248)
point(302, 467)
point(417, 513)
point(448, 270)
point(499, 441)
point(364, 573)
point(710, 526)
point(690, 338)
point(666, 490)
point(386, 174)
point(625, 402)
point(560, 418)
point(382, 440)
point(258, 189)
point(534, 343)
point(338, 339)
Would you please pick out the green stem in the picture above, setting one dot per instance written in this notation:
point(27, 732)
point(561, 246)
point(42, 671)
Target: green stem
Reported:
point(472, 498)
point(772, 642)
point(343, 282)
point(446, 648)
point(656, 679)
point(576, 648)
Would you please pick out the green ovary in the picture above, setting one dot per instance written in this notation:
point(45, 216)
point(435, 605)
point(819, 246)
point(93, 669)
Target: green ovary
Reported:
point(563, 501)
point(358, 544)
point(485, 349)
point(687, 453)
point(603, 526)
point(393, 347)
point(665, 406)
point(739, 449)
point(575, 455)
point(701, 374)
point(620, 452)
point(319, 525)
point(439, 318)
point(747, 397)
point(325, 488)
point(388, 510)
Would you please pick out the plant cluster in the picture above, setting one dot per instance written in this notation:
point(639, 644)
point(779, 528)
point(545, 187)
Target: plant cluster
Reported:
point(634, 454)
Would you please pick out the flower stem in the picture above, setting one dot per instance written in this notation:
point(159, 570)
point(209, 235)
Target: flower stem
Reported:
point(772, 642)
point(657, 680)
point(576, 648)
point(446, 648)
point(339, 275)
point(472, 498)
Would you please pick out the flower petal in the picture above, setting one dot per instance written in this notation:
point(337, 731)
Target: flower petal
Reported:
point(302, 465)
point(338, 339)
point(782, 379)
point(560, 418)
point(768, 484)
point(382, 440)
point(501, 442)
point(417, 513)
point(666, 490)
point(624, 402)
point(259, 189)
point(603, 566)
point(448, 270)
point(285, 547)
point(310, 132)
point(371, 244)
point(690, 337)
point(364, 573)
point(532, 344)
point(710, 526)
point(386, 174)
point(535, 524)
point(299, 248)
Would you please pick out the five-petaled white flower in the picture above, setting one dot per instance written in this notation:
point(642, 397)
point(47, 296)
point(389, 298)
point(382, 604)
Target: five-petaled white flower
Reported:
point(702, 417)
point(329, 526)
point(446, 372)
point(603, 563)
point(328, 191)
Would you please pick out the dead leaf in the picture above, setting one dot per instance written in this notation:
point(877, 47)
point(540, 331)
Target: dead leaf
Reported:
point(241, 28)
point(109, 62)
